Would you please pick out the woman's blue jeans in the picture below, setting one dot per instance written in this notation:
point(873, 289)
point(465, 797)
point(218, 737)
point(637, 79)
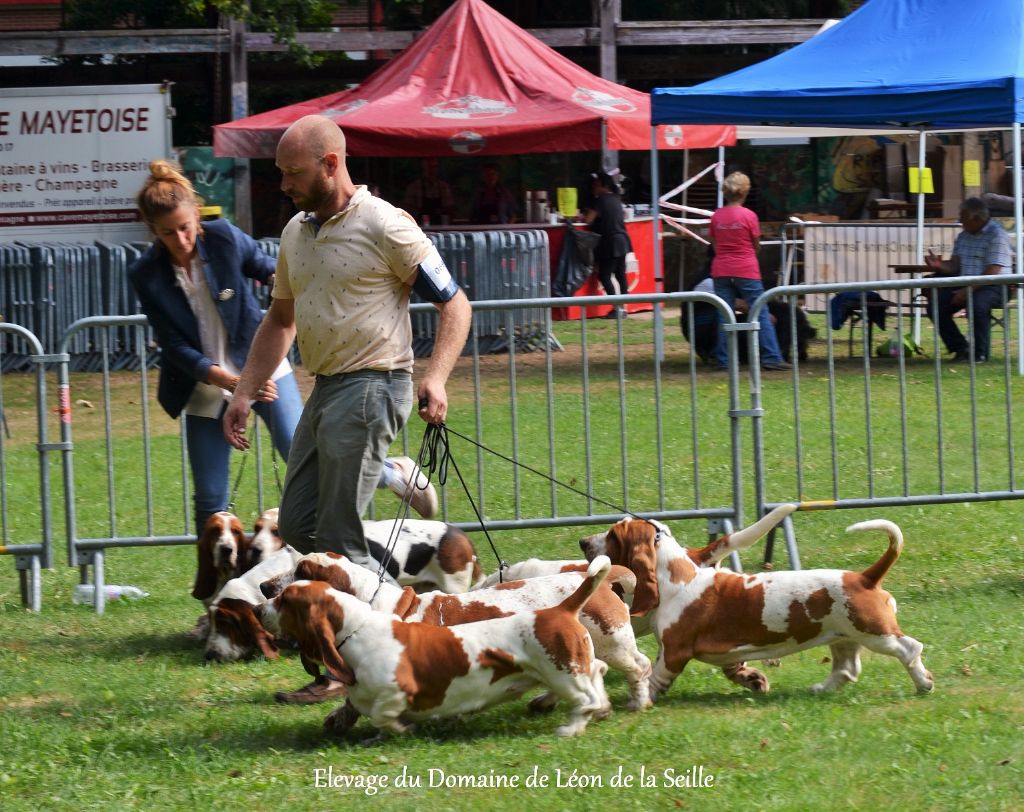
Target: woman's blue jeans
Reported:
point(731, 288)
point(209, 454)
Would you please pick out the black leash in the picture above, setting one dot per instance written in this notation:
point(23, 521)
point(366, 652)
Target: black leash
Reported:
point(616, 507)
point(269, 419)
point(405, 504)
point(435, 455)
point(588, 495)
point(238, 476)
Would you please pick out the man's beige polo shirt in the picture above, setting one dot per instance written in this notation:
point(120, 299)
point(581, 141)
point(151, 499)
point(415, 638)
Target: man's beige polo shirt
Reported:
point(349, 283)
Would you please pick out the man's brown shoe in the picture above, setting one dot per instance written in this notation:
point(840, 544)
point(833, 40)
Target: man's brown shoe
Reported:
point(321, 689)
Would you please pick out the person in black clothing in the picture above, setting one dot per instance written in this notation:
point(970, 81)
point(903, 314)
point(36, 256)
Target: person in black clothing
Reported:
point(428, 198)
point(605, 217)
point(493, 204)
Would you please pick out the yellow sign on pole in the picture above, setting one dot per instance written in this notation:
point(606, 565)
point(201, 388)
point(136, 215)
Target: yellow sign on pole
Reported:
point(972, 173)
point(920, 180)
point(567, 201)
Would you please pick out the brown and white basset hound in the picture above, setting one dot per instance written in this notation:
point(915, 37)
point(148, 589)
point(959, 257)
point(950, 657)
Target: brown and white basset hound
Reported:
point(424, 553)
point(532, 568)
point(264, 542)
point(708, 556)
point(220, 547)
point(721, 617)
point(234, 630)
point(605, 616)
point(400, 672)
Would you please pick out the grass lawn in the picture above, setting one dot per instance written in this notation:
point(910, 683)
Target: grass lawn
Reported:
point(120, 711)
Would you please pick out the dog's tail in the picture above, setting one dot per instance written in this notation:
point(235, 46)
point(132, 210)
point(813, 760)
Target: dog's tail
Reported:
point(874, 574)
point(596, 573)
point(741, 539)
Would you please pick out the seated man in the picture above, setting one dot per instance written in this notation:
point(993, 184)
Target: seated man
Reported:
point(983, 247)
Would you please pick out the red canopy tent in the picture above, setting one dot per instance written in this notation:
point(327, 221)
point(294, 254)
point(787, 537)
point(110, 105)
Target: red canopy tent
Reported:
point(475, 83)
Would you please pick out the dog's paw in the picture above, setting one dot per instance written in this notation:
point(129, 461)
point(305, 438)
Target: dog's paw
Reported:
point(545, 703)
point(749, 678)
point(201, 630)
point(341, 720)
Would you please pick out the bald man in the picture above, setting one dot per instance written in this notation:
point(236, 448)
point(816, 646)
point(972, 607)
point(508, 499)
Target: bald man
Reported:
point(347, 264)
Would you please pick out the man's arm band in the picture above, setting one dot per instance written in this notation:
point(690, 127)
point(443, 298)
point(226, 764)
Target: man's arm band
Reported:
point(433, 281)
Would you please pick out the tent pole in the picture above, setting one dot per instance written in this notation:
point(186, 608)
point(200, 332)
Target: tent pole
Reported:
point(921, 136)
point(1018, 228)
point(659, 276)
point(720, 174)
point(240, 109)
point(921, 151)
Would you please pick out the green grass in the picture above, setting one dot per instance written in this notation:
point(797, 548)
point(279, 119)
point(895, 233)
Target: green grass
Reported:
point(120, 712)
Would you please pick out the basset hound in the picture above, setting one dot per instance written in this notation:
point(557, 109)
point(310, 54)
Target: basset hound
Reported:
point(605, 616)
point(264, 542)
point(234, 630)
point(724, 618)
point(400, 672)
point(424, 553)
point(220, 547)
point(708, 556)
point(532, 568)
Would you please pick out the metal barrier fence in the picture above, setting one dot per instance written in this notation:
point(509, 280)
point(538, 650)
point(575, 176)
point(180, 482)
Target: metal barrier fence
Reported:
point(899, 430)
point(143, 453)
point(47, 286)
point(534, 408)
point(17, 458)
point(607, 424)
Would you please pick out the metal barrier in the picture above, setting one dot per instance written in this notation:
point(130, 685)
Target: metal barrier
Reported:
point(137, 487)
point(495, 265)
point(47, 286)
point(30, 557)
point(17, 301)
point(146, 473)
point(537, 450)
point(906, 431)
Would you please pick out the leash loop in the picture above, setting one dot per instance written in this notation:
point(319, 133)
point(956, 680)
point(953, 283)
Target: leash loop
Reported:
point(241, 471)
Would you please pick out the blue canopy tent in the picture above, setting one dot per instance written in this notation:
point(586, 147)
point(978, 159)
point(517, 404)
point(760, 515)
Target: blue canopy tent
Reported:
point(924, 65)
point(918, 64)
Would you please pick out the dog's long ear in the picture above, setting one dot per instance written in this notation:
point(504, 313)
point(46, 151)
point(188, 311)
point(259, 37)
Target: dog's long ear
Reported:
point(243, 541)
point(323, 632)
point(623, 582)
point(206, 573)
point(643, 561)
point(406, 602)
point(263, 639)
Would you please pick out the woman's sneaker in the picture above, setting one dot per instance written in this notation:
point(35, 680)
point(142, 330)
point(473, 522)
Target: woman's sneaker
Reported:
point(412, 486)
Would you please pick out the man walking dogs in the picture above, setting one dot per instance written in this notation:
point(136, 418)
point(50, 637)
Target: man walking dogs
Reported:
point(347, 263)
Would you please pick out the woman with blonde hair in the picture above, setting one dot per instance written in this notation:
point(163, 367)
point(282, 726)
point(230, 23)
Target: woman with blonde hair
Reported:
point(736, 237)
point(194, 287)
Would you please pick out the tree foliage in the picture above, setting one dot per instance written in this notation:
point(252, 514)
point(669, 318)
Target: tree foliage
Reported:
point(282, 18)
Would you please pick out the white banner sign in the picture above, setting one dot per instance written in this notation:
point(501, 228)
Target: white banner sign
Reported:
point(78, 155)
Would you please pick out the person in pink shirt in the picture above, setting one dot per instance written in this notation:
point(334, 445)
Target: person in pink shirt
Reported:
point(736, 236)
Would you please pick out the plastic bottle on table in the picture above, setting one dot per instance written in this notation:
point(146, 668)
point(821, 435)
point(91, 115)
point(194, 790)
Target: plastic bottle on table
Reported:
point(85, 593)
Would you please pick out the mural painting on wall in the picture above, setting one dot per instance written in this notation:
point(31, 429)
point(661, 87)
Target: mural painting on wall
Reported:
point(858, 168)
point(785, 181)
